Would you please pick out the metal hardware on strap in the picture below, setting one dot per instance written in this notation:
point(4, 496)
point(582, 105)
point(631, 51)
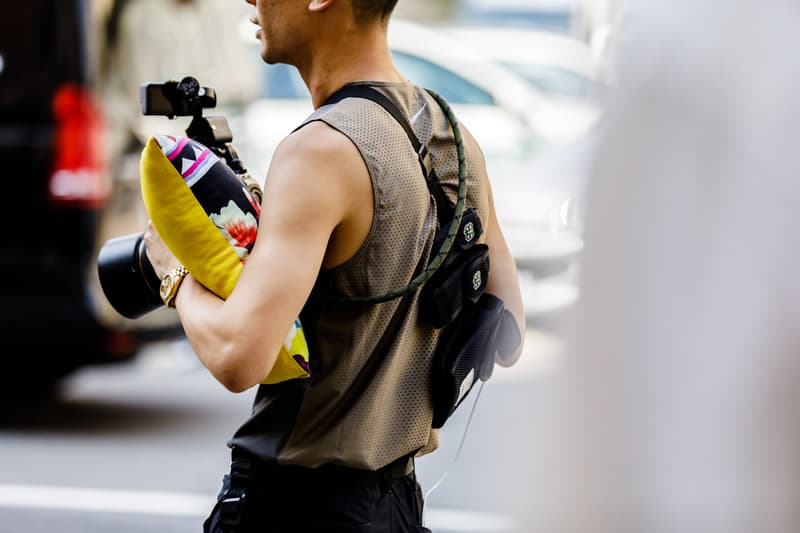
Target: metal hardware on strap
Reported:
point(232, 504)
point(231, 510)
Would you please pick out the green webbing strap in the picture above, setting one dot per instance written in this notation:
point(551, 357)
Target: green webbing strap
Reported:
point(444, 209)
point(363, 91)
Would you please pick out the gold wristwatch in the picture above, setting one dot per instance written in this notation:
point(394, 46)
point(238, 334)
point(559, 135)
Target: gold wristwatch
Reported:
point(170, 284)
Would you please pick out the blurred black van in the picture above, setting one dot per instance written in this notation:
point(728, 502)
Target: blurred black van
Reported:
point(56, 183)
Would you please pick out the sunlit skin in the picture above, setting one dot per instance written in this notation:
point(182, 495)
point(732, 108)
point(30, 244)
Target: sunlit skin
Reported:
point(317, 202)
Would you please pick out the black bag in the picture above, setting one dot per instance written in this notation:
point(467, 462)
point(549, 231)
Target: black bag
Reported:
point(464, 355)
point(460, 280)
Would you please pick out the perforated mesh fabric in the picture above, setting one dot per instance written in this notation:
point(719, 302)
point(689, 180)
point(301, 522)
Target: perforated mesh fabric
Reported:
point(392, 417)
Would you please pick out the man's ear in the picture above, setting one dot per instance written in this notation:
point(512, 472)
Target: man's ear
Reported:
point(317, 6)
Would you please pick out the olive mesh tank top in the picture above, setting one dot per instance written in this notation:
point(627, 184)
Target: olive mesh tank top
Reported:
point(314, 422)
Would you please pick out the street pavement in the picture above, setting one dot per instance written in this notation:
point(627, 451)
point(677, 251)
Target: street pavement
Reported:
point(141, 446)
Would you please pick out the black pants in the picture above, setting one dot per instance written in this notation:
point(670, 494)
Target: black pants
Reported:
point(268, 499)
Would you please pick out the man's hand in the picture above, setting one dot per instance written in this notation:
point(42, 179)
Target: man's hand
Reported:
point(159, 255)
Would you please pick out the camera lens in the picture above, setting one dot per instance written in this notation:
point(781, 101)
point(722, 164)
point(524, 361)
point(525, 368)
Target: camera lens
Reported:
point(127, 277)
point(188, 87)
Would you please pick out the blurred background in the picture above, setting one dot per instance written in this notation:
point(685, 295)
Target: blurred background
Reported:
point(659, 135)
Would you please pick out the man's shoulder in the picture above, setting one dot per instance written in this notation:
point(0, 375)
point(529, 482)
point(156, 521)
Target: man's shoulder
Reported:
point(318, 154)
point(316, 142)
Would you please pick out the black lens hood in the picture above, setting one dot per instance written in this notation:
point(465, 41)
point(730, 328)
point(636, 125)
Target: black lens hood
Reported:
point(127, 277)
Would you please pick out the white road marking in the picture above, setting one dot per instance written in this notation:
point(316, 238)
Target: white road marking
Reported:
point(191, 505)
point(106, 501)
point(458, 520)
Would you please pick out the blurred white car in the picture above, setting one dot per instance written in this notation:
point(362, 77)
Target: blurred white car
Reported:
point(555, 64)
point(522, 131)
point(561, 16)
point(541, 207)
point(508, 117)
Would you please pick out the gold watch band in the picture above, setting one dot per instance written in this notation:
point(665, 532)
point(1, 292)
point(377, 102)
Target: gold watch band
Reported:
point(171, 283)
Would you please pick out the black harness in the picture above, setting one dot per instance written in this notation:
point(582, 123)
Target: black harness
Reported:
point(475, 324)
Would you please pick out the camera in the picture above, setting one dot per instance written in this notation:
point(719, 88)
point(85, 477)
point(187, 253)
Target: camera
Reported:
point(127, 277)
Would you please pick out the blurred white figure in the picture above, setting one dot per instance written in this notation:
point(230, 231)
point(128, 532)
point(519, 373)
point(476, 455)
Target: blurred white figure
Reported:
point(679, 402)
point(159, 40)
point(155, 41)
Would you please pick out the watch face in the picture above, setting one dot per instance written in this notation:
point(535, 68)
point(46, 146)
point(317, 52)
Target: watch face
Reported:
point(166, 285)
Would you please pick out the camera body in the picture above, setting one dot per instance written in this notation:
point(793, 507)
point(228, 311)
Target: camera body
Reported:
point(176, 99)
point(127, 277)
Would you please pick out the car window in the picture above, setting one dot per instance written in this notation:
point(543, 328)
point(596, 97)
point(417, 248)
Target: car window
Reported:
point(447, 83)
point(283, 81)
point(554, 80)
point(551, 20)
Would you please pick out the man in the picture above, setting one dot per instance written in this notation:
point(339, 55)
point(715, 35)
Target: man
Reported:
point(346, 211)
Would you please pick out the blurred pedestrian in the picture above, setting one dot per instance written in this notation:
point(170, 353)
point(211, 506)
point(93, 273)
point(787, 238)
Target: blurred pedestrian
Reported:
point(678, 400)
point(159, 40)
point(346, 212)
point(148, 41)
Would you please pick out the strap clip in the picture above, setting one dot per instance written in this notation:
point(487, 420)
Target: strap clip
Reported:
point(231, 509)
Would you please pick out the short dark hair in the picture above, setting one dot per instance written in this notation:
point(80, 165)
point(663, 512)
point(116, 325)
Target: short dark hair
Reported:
point(366, 11)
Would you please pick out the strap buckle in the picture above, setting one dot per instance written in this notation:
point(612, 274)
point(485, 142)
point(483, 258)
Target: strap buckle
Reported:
point(231, 509)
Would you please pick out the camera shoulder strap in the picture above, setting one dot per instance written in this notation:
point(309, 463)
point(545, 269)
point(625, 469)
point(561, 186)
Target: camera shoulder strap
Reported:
point(444, 208)
point(449, 217)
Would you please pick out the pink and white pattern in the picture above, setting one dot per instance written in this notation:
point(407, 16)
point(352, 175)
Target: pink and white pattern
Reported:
point(190, 158)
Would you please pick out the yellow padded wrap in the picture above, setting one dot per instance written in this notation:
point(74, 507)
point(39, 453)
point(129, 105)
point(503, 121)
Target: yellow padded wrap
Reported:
point(198, 244)
point(184, 226)
point(285, 365)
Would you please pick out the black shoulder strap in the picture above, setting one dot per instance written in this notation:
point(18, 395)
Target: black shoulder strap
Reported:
point(444, 209)
point(449, 217)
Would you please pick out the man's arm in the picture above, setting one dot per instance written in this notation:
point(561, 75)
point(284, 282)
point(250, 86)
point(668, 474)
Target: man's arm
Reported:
point(305, 197)
point(503, 279)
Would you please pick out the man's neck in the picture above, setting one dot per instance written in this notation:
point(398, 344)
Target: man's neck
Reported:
point(359, 56)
